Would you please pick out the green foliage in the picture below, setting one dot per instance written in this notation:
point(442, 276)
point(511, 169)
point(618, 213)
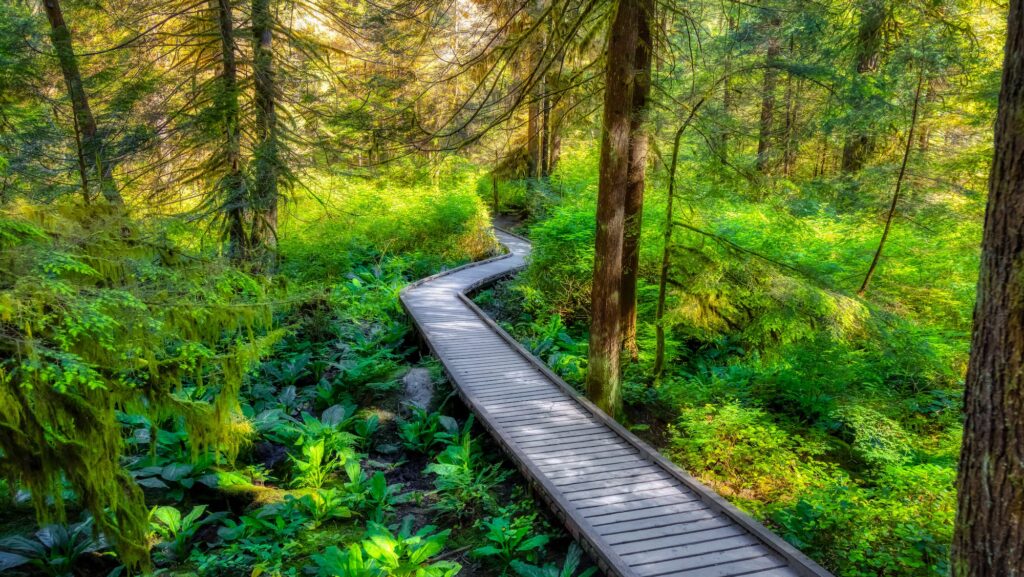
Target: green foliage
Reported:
point(463, 481)
point(383, 553)
point(744, 454)
point(372, 495)
point(54, 550)
point(95, 321)
point(318, 463)
point(177, 532)
point(561, 265)
point(902, 526)
point(568, 569)
point(425, 431)
point(510, 540)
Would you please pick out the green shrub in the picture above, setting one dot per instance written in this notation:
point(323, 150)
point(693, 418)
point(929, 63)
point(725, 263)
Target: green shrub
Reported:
point(743, 454)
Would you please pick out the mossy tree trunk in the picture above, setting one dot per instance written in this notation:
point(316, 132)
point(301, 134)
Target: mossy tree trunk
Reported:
point(266, 154)
point(92, 149)
point(637, 171)
point(603, 378)
point(232, 181)
point(989, 529)
point(873, 13)
point(769, 83)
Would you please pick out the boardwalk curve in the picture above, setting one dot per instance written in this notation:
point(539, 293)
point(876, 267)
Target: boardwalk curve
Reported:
point(633, 511)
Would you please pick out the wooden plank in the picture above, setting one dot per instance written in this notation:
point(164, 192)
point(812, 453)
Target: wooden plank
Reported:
point(672, 536)
point(657, 518)
point(526, 420)
point(540, 432)
point(651, 503)
point(723, 564)
point(568, 439)
point(513, 395)
point(612, 473)
point(634, 496)
point(579, 447)
point(606, 464)
point(589, 458)
point(647, 515)
point(632, 487)
point(692, 550)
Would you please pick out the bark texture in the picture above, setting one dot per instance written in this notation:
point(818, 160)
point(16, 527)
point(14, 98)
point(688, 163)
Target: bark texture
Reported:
point(769, 83)
point(869, 55)
point(603, 378)
point(232, 180)
point(94, 162)
point(989, 532)
point(637, 170)
point(266, 154)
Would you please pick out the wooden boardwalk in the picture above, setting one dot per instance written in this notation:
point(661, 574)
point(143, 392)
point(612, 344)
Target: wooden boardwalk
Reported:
point(633, 511)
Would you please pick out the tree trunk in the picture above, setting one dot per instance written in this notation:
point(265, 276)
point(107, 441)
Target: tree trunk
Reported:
point(545, 133)
point(727, 96)
point(233, 183)
point(789, 148)
point(771, 78)
point(266, 154)
point(633, 216)
point(989, 529)
point(93, 149)
point(603, 378)
point(896, 195)
point(869, 55)
point(666, 251)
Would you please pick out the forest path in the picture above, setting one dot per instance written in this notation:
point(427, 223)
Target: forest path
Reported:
point(632, 510)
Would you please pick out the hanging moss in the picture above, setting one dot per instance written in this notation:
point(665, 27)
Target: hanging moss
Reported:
point(94, 321)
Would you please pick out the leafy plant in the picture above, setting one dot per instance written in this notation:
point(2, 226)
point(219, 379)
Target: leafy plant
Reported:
point(321, 505)
point(373, 495)
point(568, 569)
point(54, 550)
point(383, 553)
point(510, 539)
point(317, 464)
point(176, 532)
point(426, 431)
point(365, 429)
point(462, 480)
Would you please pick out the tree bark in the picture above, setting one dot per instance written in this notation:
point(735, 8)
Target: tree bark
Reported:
point(989, 530)
point(638, 144)
point(771, 78)
point(869, 55)
point(93, 147)
point(728, 95)
point(266, 153)
point(896, 194)
point(603, 378)
point(233, 182)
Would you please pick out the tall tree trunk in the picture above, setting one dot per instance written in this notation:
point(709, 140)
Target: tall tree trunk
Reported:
point(728, 96)
point(771, 78)
point(896, 195)
point(93, 149)
point(545, 132)
point(789, 139)
point(989, 529)
point(603, 378)
point(233, 182)
point(873, 13)
point(266, 154)
point(666, 250)
point(637, 170)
